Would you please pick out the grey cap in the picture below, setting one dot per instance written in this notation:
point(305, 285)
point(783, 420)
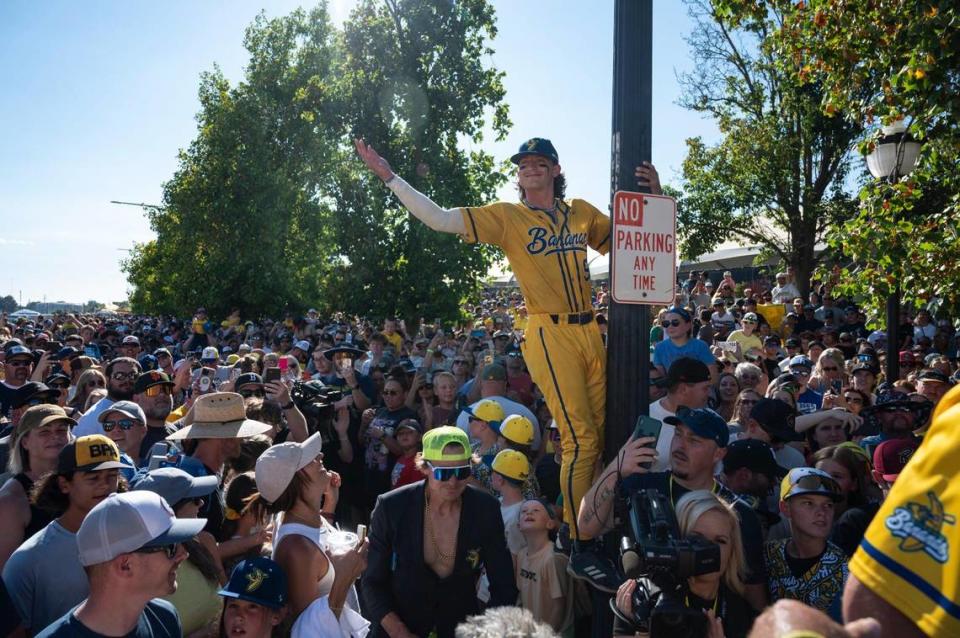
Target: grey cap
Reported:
point(122, 523)
point(128, 408)
point(173, 484)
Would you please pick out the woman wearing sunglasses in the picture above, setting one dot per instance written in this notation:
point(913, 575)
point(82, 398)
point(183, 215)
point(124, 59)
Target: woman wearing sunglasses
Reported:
point(676, 322)
point(89, 380)
point(429, 543)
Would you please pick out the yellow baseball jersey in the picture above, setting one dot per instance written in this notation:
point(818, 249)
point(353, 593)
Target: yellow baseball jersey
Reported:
point(910, 555)
point(547, 250)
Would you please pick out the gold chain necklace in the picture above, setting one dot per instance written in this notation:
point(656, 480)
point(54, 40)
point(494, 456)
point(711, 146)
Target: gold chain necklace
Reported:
point(433, 536)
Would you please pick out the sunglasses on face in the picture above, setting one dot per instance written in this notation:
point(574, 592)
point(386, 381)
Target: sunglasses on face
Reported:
point(125, 424)
point(830, 369)
point(849, 398)
point(99, 383)
point(157, 390)
point(673, 323)
point(246, 394)
point(748, 401)
point(170, 551)
point(813, 482)
point(789, 387)
point(121, 376)
point(59, 386)
point(461, 472)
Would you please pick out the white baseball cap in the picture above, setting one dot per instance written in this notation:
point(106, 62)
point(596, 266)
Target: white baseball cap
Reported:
point(304, 345)
point(276, 466)
point(209, 354)
point(122, 523)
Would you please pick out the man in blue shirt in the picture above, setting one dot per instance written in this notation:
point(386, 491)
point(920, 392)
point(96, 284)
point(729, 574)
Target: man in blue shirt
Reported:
point(130, 546)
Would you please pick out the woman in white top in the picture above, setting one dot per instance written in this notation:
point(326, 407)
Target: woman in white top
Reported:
point(294, 486)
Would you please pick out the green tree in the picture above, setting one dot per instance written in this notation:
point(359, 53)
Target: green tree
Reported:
point(776, 177)
point(243, 223)
point(8, 304)
point(93, 306)
point(414, 84)
point(269, 208)
point(880, 61)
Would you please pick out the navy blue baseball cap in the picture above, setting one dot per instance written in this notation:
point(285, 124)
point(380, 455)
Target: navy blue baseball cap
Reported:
point(536, 146)
point(677, 310)
point(257, 580)
point(704, 422)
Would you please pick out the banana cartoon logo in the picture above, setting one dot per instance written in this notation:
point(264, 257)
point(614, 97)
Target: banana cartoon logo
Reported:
point(254, 579)
point(919, 528)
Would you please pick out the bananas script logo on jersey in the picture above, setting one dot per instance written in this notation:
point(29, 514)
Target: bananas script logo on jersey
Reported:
point(565, 242)
point(918, 526)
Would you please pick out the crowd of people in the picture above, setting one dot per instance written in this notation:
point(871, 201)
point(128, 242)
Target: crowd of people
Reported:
point(344, 477)
point(338, 477)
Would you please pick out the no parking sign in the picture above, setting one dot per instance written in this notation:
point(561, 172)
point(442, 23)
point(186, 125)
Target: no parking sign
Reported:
point(643, 257)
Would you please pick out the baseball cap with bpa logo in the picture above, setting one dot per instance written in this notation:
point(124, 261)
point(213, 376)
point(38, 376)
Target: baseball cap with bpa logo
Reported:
point(89, 454)
point(123, 523)
point(437, 439)
point(536, 146)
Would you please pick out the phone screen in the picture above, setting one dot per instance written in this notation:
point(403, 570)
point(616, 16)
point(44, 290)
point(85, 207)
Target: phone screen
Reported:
point(271, 375)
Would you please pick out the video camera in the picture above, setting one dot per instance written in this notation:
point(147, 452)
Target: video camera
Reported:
point(656, 551)
point(315, 400)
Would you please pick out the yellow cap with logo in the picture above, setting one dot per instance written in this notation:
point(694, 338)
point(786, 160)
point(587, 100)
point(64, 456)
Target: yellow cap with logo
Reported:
point(487, 410)
point(512, 464)
point(88, 454)
point(518, 429)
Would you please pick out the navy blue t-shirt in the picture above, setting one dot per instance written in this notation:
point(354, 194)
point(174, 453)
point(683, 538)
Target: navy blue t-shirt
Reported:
point(158, 619)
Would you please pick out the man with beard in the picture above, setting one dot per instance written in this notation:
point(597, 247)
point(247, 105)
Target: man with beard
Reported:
point(699, 443)
point(122, 373)
point(895, 415)
point(17, 368)
point(153, 392)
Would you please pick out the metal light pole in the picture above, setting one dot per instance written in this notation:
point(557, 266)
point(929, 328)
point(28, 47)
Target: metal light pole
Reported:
point(628, 332)
point(894, 156)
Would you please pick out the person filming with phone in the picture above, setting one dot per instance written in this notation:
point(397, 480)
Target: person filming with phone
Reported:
point(699, 443)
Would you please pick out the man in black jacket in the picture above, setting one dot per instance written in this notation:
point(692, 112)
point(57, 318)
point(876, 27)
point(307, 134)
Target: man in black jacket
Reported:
point(428, 544)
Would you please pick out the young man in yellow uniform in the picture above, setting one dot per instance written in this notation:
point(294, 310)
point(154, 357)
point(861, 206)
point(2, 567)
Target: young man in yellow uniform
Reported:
point(545, 239)
point(906, 573)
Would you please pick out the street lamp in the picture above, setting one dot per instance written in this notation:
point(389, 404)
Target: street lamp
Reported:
point(894, 155)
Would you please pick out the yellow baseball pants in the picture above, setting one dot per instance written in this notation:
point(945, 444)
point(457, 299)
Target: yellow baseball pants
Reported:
point(569, 364)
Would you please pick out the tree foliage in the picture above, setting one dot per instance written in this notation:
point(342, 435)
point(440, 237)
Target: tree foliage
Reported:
point(776, 177)
point(880, 61)
point(270, 210)
point(8, 304)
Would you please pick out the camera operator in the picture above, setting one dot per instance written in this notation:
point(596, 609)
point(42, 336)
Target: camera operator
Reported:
point(720, 593)
point(699, 443)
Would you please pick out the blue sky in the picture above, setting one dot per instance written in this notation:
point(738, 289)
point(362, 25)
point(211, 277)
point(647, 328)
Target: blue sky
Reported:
point(99, 96)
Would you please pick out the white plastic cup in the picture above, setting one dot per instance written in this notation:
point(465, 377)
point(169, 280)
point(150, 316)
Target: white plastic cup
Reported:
point(340, 542)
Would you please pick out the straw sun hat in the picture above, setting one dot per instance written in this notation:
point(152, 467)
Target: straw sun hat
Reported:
point(220, 415)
